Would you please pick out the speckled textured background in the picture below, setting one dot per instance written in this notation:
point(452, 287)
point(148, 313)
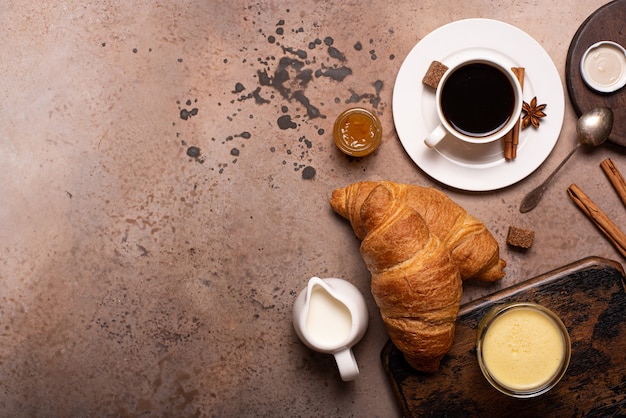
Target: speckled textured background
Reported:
point(166, 168)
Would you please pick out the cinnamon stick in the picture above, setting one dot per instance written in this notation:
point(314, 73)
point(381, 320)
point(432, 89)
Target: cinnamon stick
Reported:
point(519, 72)
point(615, 177)
point(511, 139)
point(599, 218)
point(508, 145)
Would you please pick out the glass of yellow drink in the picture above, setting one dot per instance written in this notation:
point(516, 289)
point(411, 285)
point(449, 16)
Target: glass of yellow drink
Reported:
point(523, 349)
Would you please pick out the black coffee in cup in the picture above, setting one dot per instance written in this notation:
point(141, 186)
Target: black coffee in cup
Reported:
point(477, 99)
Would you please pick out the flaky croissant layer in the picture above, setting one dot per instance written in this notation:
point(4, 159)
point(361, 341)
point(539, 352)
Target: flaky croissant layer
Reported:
point(472, 247)
point(415, 283)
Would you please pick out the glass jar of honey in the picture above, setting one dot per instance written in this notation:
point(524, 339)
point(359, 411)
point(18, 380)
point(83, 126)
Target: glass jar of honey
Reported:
point(357, 132)
point(523, 349)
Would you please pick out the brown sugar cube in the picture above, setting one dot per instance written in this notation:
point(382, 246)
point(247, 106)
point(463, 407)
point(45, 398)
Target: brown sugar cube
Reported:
point(520, 237)
point(434, 74)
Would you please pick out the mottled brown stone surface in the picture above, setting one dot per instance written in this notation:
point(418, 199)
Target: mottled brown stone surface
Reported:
point(165, 174)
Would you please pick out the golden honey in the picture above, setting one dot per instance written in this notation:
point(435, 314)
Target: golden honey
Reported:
point(357, 132)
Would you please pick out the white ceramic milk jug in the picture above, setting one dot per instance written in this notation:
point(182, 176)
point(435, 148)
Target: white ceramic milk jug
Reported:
point(330, 316)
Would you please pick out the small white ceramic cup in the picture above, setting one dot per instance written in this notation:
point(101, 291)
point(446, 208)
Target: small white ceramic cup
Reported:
point(603, 66)
point(503, 126)
point(330, 316)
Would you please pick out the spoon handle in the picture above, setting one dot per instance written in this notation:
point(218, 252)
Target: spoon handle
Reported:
point(531, 200)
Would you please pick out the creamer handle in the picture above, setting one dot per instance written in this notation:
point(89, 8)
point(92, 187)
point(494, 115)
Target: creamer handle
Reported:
point(348, 369)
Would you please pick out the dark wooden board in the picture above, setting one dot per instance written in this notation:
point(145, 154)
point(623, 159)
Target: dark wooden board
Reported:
point(608, 23)
point(590, 298)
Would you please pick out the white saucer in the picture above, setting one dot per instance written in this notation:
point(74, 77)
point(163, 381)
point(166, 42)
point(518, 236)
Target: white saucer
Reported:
point(476, 167)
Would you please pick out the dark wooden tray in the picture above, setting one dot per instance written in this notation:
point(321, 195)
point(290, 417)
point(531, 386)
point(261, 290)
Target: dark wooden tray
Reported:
point(590, 298)
point(608, 23)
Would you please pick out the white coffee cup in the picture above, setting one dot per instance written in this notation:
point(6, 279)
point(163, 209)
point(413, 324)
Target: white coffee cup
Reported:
point(478, 101)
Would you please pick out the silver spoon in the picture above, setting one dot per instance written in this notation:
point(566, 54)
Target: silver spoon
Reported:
point(593, 128)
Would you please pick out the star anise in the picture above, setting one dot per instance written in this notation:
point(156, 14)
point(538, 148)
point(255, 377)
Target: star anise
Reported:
point(533, 113)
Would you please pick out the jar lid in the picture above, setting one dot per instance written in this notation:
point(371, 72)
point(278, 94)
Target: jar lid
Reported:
point(357, 132)
point(603, 66)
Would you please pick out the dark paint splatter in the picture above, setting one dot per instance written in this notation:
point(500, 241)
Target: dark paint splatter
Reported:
point(308, 173)
point(297, 52)
point(378, 86)
point(373, 99)
point(288, 76)
point(292, 75)
point(337, 74)
point(288, 87)
point(193, 152)
point(335, 53)
point(256, 95)
point(186, 114)
point(285, 122)
point(305, 76)
point(311, 111)
point(144, 251)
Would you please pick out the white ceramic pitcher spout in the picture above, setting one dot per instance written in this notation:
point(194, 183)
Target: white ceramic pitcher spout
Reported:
point(330, 316)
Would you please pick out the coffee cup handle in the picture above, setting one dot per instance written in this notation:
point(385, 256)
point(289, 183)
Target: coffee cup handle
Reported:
point(348, 369)
point(435, 136)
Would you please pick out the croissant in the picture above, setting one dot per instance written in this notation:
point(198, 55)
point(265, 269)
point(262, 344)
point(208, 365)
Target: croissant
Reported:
point(414, 282)
point(473, 249)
